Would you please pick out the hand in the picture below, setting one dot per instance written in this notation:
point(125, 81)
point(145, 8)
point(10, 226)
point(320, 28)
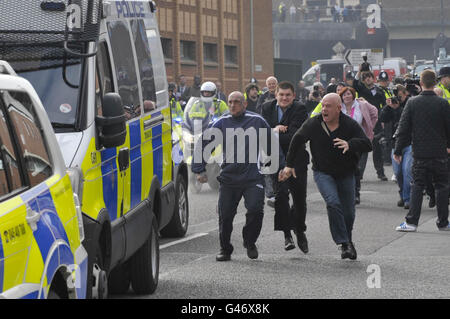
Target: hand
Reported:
point(341, 144)
point(280, 129)
point(286, 173)
point(448, 150)
point(398, 158)
point(202, 178)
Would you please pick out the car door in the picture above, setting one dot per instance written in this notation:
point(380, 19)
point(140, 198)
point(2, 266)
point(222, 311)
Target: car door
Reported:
point(21, 230)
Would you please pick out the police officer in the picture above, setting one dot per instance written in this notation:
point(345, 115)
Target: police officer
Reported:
point(208, 106)
point(175, 106)
point(444, 82)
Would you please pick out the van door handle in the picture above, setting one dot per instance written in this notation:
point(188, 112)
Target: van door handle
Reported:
point(124, 159)
point(32, 218)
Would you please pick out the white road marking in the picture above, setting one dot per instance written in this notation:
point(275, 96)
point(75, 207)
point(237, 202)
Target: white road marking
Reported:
point(176, 242)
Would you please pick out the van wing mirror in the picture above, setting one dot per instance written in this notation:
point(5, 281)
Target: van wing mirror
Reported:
point(112, 125)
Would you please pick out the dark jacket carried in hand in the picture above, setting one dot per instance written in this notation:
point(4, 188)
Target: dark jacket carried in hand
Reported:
point(234, 173)
point(327, 158)
point(293, 118)
point(426, 122)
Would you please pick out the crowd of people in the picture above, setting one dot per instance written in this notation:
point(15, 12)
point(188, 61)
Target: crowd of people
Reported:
point(342, 124)
point(294, 12)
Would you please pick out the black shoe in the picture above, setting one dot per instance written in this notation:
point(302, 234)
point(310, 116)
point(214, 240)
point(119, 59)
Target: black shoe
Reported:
point(288, 243)
point(354, 255)
point(357, 200)
point(383, 178)
point(406, 206)
point(223, 256)
point(252, 251)
point(400, 203)
point(346, 251)
point(302, 242)
point(432, 202)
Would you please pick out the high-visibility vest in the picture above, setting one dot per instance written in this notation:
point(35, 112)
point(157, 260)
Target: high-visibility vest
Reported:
point(317, 110)
point(198, 110)
point(446, 92)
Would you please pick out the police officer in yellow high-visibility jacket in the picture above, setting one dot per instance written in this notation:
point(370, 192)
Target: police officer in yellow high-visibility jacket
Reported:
point(175, 106)
point(444, 85)
point(208, 105)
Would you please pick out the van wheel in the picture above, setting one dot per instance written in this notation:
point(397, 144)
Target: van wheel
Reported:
point(145, 264)
point(119, 280)
point(178, 226)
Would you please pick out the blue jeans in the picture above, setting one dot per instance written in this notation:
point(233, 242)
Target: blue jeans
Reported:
point(339, 195)
point(403, 173)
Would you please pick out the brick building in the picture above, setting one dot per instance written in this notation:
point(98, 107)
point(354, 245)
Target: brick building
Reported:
point(212, 38)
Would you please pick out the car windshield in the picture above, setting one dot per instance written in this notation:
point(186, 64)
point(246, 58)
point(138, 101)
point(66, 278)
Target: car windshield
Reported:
point(55, 77)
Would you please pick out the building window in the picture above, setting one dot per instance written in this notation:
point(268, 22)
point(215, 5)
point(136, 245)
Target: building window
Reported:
point(187, 51)
point(210, 52)
point(167, 48)
point(231, 56)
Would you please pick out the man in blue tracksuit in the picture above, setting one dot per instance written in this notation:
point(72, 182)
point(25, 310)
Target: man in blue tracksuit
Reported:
point(240, 174)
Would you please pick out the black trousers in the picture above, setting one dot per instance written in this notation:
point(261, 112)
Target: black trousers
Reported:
point(437, 168)
point(229, 198)
point(378, 156)
point(286, 217)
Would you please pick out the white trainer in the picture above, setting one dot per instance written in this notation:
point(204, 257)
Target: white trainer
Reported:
point(446, 228)
point(405, 227)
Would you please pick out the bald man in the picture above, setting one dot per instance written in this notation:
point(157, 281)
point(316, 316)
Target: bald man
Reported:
point(269, 96)
point(240, 176)
point(336, 142)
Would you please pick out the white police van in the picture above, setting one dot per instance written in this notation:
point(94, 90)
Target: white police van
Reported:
point(99, 70)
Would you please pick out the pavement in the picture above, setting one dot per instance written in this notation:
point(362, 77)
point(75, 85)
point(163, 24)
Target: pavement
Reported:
point(390, 265)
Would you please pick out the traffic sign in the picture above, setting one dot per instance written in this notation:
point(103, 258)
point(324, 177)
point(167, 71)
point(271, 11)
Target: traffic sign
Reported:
point(374, 56)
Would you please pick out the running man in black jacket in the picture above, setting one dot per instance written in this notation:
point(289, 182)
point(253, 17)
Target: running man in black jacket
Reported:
point(426, 122)
point(336, 140)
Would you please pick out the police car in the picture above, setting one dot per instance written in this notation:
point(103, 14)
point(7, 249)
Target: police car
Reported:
point(41, 228)
point(99, 70)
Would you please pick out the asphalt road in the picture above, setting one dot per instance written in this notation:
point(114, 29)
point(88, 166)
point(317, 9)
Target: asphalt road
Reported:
point(389, 265)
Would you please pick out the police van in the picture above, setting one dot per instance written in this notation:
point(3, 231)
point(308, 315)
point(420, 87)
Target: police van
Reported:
point(41, 227)
point(99, 70)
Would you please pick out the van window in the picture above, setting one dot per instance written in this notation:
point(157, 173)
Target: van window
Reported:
point(145, 65)
point(125, 68)
point(103, 80)
point(9, 167)
point(29, 136)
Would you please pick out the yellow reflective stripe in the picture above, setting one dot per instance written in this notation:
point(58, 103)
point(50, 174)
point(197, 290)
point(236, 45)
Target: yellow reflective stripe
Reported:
point(446, 92)
point(124, 184)
point(167, 147)
point(197, 114)
point(64, 204)
point(10, 204)
point(147, 159)
point(35, 269)
point(16, 236)
point(92, 201)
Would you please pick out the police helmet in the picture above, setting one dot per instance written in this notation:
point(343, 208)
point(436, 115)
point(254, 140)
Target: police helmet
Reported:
point(383, 76)
point(443, 72)
point(208, 92)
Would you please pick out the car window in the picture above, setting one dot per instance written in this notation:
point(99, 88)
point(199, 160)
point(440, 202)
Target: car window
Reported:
point(30, 140)
point(125, 68)
point(10, 179)
point(145, 65)
point(103, 79)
